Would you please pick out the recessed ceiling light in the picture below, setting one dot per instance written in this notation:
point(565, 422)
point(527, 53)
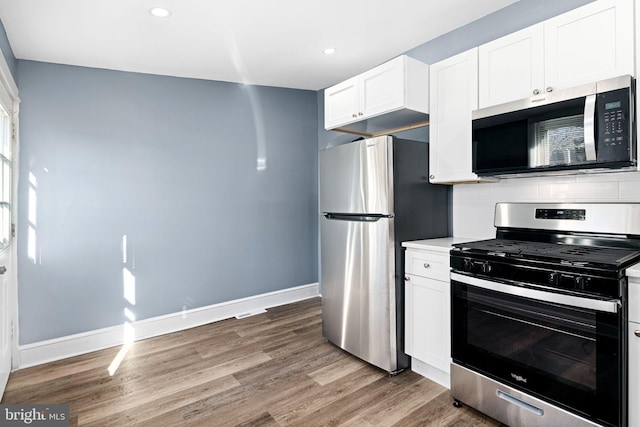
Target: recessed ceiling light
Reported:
point(329, 51)
point(160, 12)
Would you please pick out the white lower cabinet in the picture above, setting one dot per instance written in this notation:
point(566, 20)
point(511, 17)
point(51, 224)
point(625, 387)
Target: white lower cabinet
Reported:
point(634, 373)
point(427, 313)
point(634, 346)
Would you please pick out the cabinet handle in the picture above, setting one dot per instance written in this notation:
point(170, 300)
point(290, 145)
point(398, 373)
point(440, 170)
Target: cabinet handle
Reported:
point(549, 89)
point(536, 91)
point(360, 114)
point(354, 115)
point(637, 333)
point(407, 278)
point(426, 265)
point(432, 177)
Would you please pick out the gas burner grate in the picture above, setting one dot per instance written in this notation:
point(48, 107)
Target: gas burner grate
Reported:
point(554, 252)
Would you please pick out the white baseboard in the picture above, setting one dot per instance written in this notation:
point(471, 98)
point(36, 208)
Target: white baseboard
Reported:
point(86, 342)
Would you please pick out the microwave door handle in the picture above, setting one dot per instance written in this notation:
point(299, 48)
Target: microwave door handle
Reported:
point(589, 127)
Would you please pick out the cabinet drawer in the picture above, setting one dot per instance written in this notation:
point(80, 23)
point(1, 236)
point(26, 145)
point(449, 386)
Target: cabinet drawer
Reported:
point(434, 266)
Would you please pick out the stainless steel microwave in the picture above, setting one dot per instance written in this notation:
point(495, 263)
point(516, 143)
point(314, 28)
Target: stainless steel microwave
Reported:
point(588, 128)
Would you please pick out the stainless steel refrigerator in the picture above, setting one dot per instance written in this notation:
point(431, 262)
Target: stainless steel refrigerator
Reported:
point(374, 194)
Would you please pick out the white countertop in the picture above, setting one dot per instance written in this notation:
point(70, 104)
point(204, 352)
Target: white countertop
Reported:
point(634, 270)
point(442, 244)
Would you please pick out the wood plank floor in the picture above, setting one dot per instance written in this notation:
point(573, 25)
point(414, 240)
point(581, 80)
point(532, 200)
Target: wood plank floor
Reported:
point(273, 369)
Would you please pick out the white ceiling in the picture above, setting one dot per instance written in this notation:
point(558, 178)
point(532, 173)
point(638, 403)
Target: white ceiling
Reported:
point(263, 42)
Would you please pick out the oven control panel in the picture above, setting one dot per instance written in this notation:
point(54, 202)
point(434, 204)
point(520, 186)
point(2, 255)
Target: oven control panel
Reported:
point(573, 214)
point(569, 278)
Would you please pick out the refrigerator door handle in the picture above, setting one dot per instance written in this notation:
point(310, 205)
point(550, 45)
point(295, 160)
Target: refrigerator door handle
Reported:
point(356, 217)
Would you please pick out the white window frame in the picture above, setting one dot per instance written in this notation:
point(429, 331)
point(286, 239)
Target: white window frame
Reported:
point(11, 102)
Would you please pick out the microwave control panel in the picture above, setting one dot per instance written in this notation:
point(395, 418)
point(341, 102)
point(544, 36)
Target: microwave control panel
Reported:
point(614, 126)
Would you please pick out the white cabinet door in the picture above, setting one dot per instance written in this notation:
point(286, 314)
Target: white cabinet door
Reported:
point(382, 88)
point(428, 321)
point(634, 374)
point(511, 67)
point(341, 103)
point(591, 43)
point(453, 93)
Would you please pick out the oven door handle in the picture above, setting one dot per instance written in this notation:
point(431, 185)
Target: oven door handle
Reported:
point(607, 306)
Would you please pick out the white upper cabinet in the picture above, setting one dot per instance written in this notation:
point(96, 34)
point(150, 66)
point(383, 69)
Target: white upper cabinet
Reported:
point(454, 94)
point(511, 67)
point(591, 43)
point(342, 103)
point(383, 88)
point(395, 93)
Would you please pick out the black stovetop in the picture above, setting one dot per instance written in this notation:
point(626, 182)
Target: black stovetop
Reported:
point(561, 253)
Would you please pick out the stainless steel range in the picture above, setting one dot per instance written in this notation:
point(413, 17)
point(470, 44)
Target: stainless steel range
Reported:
point(539, 314)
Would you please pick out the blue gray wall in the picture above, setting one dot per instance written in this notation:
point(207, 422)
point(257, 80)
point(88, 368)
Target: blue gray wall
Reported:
point(204, 191)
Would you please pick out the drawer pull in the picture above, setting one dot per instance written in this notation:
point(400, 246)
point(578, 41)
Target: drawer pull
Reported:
point(427, 265)
point(637, 333)
point(407, 278)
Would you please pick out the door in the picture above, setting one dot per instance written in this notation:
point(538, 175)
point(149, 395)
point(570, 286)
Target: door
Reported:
point(8, 300)
point(356, 177)
point(534, 341)
point(454, 94)
point(511, 67)
point(358, 286)
point(383, 88)
point(428, 329)
point(594, 42)
point(341, 103)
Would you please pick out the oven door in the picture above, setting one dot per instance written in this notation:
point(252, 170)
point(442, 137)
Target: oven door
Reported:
point(564, 349)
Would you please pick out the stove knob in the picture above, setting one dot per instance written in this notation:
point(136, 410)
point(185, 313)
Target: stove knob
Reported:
point(553, 278)
point(468, 264)
point(485, 267)
point(581, 283)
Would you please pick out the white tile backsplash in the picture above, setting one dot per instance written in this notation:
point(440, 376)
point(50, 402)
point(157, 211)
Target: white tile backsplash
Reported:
point(474, 204)
point(592, 191)
point(629, 191)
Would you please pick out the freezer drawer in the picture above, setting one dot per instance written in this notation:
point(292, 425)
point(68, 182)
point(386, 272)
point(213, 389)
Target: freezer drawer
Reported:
point(358, 288)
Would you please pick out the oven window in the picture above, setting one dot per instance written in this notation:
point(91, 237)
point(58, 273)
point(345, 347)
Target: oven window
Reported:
point(558, 340)
point(568, 356)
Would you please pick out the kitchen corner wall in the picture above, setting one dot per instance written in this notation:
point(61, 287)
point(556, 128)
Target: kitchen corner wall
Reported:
point(474, 204)
point(144, 195)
